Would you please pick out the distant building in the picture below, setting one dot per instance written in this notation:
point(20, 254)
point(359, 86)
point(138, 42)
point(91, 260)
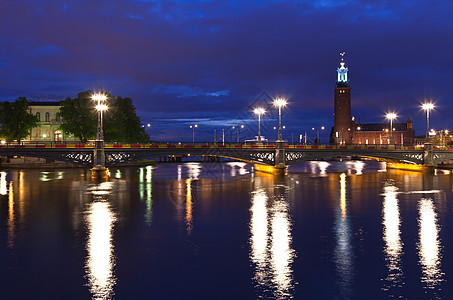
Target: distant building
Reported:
point(48, 124)
point(346, 131)
point(379, 133)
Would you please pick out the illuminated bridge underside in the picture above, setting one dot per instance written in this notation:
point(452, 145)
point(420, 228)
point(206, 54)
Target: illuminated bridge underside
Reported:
point(266, 156)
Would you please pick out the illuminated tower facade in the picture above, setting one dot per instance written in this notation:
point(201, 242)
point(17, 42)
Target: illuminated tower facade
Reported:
point(343, 129)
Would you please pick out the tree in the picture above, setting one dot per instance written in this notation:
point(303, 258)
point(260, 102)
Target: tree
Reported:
point(79, 116)
point(121, 123)
point(332, 136)
point(16, 119)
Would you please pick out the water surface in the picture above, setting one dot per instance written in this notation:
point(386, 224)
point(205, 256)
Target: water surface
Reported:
point(328, 230)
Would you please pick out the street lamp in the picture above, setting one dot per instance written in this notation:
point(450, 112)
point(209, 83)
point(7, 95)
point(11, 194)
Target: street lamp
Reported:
point(317, 133)
point(193, 132)
point(280, 102)
point(428, 106)
point(391, 117)
point(99, 155)
point(100, 107)
point(259, 111)
point(242, 126)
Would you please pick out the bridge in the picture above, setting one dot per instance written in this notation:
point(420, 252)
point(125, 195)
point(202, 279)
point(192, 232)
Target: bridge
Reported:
point(277, 156)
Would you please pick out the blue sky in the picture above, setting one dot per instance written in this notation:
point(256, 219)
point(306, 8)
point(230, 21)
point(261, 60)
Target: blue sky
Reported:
point(208, 62)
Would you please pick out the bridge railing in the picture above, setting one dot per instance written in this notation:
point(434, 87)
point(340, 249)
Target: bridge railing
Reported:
point(167, 145)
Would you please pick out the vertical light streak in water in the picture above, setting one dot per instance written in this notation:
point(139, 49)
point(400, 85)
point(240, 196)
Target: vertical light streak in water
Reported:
point(100, 260)
point(179, 197)
point(259, 235)
point(282, 255)
point(11, 217)
point(141, 179)
point(21, 197)
point(343, 196)
point(343, 254)
point(393, 245)
point(270, 241)
point(429, 246)
point(189, 206)
point(3, 184)
point(149, 200)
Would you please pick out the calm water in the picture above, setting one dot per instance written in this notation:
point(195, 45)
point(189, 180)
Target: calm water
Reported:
point(344, 230)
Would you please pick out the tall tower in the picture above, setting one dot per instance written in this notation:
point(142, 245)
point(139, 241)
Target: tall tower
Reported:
point(343, 129)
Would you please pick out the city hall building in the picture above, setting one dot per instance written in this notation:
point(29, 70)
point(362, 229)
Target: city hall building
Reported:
point(347, 131)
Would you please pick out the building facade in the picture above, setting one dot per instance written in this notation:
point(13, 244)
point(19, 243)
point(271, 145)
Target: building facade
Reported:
point(380, 133)
point(346, 131)
point(48, 123)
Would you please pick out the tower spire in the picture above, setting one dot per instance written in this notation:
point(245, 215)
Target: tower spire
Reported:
point(342, 78)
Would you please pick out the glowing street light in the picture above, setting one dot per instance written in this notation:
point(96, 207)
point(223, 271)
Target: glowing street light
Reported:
point(317, 132)
point(391, 117)
point(100, 99)
point(280, 102)
point(99, 155)
point(193, 132)
point(259, 111)
point(428, 106)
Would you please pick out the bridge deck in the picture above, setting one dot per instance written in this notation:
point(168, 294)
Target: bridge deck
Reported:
point(214, 146)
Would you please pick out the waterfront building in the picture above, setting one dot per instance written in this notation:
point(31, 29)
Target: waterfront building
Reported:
point(346, 131)
point(379, 133)
point(48, 122)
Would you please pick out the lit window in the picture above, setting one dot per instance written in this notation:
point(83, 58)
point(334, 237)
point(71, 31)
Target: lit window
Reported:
point(38, 115)
point(47, 117)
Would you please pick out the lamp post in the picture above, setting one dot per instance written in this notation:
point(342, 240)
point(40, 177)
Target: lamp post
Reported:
point(193, 132)
point(259, 111)
point(242, 126)
point(391, 116)
point(280, 102)
point(317, 133)
point(428, 106)
point(100, 107)
point(99, 154)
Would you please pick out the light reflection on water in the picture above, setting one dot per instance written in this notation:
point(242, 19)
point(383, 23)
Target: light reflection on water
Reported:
point(429, 244)
point(189, 206)
point(11, 217)
point(271, 242)
point(407, 225)
point(100, 260)
point(393, 245)
point(343, 253)
point(146, 186)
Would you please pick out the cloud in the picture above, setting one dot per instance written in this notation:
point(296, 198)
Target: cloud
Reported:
point(212, 58)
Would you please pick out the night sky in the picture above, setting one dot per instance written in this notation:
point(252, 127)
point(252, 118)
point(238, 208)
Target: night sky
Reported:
point(210, 62)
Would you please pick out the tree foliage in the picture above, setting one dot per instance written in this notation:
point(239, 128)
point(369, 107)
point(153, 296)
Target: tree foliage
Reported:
point(79, 117)
point(16, 119)
point(121, 123)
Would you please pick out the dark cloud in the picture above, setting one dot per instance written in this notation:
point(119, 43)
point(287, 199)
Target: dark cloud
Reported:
point(210, 60)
